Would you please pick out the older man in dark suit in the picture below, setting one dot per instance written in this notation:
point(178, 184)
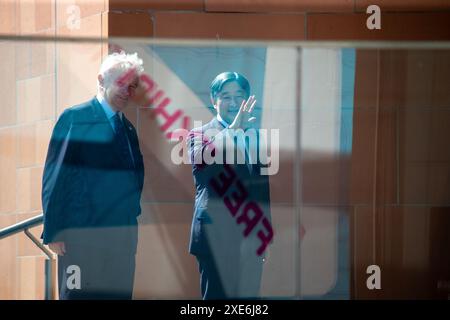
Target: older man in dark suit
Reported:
point(231, 226)
point(92, 185)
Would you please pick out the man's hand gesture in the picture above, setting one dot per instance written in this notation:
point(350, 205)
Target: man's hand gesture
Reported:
point(244, 116)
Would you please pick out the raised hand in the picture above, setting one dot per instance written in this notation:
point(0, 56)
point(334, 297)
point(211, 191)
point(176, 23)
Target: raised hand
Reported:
point(244, 116)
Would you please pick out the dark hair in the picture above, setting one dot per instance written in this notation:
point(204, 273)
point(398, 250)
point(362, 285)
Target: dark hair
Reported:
point(225, 77)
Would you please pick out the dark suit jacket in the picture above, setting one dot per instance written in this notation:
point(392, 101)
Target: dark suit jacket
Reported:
point(213, 228)
point(90, 194)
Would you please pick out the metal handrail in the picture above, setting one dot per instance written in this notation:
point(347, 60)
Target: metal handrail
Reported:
point(50, 263)
point(21, 226)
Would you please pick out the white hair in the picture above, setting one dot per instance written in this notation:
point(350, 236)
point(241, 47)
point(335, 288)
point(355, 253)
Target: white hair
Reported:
point(117, 64)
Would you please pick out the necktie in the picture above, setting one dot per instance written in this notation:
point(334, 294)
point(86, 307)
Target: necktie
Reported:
point(121, 140)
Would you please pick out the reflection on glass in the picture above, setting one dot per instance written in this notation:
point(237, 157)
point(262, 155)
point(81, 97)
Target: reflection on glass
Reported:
point(274, 220)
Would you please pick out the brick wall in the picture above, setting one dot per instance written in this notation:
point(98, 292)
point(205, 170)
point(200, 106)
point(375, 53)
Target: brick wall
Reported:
point(400, 168)
point(283, 19)
point(38, 81)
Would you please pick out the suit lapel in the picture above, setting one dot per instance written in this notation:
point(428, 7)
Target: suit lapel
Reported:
point(132, 138)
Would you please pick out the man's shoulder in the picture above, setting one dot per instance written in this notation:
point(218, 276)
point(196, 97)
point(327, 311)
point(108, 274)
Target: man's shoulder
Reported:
point(80, 111)
point(83, 107)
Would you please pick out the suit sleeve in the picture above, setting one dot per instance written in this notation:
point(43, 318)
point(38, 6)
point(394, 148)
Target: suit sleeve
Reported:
point(56, 171)
point(265, 185)
point(139, 166)
point(266, 198)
